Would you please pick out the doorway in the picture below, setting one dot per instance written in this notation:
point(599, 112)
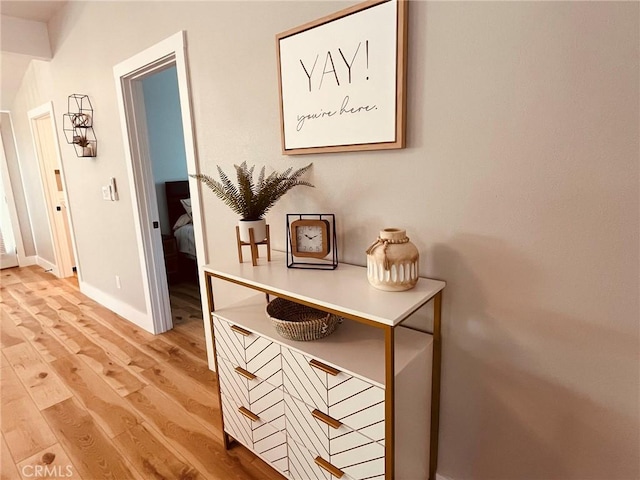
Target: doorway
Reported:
point(129, 75)
point(160, 96)
point(45, 141)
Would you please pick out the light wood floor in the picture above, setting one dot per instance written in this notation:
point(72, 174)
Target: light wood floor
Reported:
point(88, 395)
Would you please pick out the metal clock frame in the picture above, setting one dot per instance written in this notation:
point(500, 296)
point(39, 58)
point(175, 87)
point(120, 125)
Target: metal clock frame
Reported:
point(328, 263)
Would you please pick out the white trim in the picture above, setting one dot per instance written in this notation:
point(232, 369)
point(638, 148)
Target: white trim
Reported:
point(23, 260)
point(126, 311)
point(47, 266)
point(442, 477)
point(64, 269)
point(30, 260)
point(11, 232)
point(8, 260)
point(127, 77)
point(195, 189)
point(32, 115)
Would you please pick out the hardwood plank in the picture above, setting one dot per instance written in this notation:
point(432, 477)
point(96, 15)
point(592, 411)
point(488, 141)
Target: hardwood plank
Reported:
point(110, 411)
point(7, 302)
point(4, 363)
point(186, 342)
point(44, 275)
point(110, 341)
point(201, 402)
point(45, 288)
point(52, 462)
point(10, 276)
point(88, 447)
point(23, 427)
point(21, 293)
point(47, 345)
point(151, 457)
point(190, 365)
point(113, 321)
point(39, 310)
point(201, 448)
point(43, 385)
point(9, 333)
point(8, 468)
point(100, 361)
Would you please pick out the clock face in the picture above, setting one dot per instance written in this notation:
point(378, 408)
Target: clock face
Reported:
point(310, 238)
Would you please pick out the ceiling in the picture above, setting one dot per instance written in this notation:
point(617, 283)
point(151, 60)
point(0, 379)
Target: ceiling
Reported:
point(39, 11)
point(14, 66)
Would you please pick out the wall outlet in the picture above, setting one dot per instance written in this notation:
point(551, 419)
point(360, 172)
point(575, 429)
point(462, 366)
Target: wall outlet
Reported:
point(106, 193)
point(118, 281)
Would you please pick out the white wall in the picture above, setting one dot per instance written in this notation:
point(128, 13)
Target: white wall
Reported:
point(519, 185)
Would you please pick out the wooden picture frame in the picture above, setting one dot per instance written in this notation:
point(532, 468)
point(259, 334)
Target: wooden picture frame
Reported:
point(342, 79)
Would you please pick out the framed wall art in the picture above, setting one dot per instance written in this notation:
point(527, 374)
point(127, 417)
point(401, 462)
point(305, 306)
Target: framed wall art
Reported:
point(342, 80)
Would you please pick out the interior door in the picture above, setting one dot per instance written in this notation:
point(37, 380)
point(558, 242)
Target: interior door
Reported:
point(54, 193)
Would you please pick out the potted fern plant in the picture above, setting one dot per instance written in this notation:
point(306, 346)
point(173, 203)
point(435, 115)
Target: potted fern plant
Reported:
point(84, 144)
point(252, 199)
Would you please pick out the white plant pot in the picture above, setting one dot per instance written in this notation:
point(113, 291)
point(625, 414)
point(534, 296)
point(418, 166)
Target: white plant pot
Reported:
point(259, 230)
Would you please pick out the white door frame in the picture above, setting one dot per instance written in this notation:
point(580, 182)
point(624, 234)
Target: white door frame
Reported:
point(10, 258)
point(128, 75)
point(62, 268)
point(23, 260)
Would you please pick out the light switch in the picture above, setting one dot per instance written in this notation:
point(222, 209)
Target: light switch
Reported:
point(106, 193)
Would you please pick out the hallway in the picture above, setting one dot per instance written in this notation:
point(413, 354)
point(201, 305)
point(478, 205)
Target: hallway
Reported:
point(88, 395)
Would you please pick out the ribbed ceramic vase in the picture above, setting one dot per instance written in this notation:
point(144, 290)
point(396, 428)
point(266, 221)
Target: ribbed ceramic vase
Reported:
point(392, 261)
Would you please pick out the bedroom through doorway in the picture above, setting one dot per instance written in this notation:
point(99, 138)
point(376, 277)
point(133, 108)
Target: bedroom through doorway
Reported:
point(169, 168)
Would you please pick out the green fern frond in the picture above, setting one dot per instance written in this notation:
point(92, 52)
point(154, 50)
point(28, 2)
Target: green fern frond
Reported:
point(249, 199)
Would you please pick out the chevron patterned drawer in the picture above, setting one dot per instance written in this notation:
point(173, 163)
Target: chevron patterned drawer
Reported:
point(343, 447)
point(256, 433)
point(307, 465)
point(259, 396)
point(248, 350)
point(351, 400)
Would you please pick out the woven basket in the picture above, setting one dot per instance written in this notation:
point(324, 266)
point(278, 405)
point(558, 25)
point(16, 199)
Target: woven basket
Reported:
point(300, 322)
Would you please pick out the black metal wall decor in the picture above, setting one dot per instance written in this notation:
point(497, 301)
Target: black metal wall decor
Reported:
point(77, 124)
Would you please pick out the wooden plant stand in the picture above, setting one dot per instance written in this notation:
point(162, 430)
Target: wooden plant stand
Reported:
point(254, 246)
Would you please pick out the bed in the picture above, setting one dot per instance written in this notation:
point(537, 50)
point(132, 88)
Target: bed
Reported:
point(179, 212)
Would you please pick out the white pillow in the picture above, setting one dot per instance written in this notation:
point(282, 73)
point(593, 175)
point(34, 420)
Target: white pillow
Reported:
point(186, 203)
point(183, 220)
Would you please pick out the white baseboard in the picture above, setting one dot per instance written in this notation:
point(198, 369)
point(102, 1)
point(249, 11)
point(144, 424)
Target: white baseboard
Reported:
point(126, 311)
point(48, 266)
point(442, 477)
point(27, 261)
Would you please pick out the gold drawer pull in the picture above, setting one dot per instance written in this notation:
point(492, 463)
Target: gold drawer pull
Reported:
point(332, 422)
point(240, 330)
point(244, 373)
point(332, 469)
point(249, 414)
point(325, 368)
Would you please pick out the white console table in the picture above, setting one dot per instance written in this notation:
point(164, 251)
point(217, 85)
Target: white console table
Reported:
point(372, 353)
